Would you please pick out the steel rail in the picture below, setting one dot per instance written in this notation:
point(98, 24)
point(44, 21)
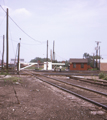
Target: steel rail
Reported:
point(101, 93)
point(69, 91)
point(89, 81)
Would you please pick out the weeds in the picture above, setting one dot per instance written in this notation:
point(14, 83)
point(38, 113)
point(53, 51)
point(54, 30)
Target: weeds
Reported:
point(103, 76)
point(12, 79)
point(4, 72)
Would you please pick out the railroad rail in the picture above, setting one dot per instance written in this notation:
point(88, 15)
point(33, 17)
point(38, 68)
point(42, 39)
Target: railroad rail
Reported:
point(92, 96)
point(77, 86)
point(88, 96)
point(97, 82)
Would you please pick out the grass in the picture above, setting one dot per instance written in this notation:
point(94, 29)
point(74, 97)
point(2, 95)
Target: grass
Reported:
point(93, 69)
point(4, 72)
point(12, 79)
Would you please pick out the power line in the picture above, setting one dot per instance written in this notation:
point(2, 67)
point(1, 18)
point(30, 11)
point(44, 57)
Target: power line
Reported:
point(2, 20)
point(28, 43)
point(20, 27)
point(60, 57)
point(12, 41)
point(28, 50)
point(23, 30)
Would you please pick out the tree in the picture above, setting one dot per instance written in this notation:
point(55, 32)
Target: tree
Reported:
point(91, 59)
point(86, 55)
point(40, 60)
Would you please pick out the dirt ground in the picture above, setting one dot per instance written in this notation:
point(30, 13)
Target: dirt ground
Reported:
point(27, 98)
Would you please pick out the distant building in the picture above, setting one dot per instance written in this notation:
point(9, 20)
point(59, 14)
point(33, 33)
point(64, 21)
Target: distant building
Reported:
point(15, 60)
point(52, 65)
point(103, 65)
point(79, 64)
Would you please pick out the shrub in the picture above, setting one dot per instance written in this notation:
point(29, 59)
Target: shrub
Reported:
point(105, 78)
point(101, 75)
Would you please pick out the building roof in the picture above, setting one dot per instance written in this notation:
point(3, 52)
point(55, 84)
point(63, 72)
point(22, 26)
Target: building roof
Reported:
point(78, 60)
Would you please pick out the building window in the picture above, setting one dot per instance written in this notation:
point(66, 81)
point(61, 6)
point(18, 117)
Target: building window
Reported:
point(82, 65)
point(74, 65)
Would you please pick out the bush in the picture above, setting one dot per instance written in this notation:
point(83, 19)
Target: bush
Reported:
point(101, 75)
point(105, 78)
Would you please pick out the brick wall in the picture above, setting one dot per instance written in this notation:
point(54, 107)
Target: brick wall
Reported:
point(78, 67)
point(103, 66)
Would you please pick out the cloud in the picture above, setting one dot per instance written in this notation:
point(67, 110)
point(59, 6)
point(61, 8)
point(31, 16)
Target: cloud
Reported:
point(22, 12)
point(18, 12)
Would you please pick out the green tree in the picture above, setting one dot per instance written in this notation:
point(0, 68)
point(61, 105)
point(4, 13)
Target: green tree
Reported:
point(91, 59)
point(40, 60)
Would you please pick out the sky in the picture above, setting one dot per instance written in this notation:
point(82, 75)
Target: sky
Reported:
point(74, 25)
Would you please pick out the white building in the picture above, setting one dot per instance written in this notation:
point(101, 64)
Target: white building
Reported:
point(50, 65)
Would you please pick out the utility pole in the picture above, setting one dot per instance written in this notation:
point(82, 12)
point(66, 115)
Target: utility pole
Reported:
point(53, 51)
point(99, 57)
point(51, 55)
point(3, 53)
point(93, 59)
point(97, 51)
point(18, 58)
point(47, 55)
point(7, 49)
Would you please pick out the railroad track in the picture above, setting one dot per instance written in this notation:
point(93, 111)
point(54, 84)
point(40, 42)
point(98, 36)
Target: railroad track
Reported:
point(90, 95)
point(95, 97)
point(97, 82)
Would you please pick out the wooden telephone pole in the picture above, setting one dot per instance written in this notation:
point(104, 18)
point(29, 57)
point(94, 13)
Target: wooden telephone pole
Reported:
point(7, 45)
point(99, 57)
point(18, 58)
point(53, 51)
point(3, 53)
point(47, 55)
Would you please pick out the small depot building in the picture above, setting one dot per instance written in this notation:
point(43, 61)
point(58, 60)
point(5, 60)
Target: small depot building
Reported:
point(79, 64)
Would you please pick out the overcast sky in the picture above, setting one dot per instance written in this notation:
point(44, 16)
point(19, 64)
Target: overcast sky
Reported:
point(75, 25)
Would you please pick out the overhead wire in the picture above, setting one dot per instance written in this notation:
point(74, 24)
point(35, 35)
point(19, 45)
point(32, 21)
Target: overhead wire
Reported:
point(12, 42)
point(2, 20)
point(31, 52)
point(60, 57)
point(28, 43)
point(20, 27)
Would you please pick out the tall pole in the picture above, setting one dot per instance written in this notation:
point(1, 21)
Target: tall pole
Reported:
point(18, 57)
point(99, 57)
point(3, 53)
point(53, 51)
point(51, 55)
point(97, 51)
point(47, 54)
point(7, 49)
point(93, 60)
point(96, 58)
